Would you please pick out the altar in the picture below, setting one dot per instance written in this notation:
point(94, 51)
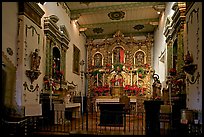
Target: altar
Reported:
point(111, 114)
point(114, 69)
point(113, 101)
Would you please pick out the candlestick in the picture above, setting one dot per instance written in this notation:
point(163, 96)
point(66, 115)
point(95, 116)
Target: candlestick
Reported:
point(97, 79)
point(103, 79)
point(131, 78)
point(137, 78)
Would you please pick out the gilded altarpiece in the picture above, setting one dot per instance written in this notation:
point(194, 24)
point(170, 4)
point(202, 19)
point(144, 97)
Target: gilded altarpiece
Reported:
point(120, 65)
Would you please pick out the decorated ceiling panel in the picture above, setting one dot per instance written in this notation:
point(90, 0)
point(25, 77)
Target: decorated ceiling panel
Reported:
point(113, 16)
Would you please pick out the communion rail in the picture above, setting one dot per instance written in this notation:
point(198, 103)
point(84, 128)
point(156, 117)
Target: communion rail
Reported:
point(69, 122)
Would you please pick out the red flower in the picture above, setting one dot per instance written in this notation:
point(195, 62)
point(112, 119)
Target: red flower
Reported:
point(127, 87)
point(113, 80)
point(140, 75)
point(147, 65)
point(172, 70)
point(108, 65)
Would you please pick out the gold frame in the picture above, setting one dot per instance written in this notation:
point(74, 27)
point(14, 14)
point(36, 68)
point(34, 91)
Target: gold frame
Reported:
point(76, 58)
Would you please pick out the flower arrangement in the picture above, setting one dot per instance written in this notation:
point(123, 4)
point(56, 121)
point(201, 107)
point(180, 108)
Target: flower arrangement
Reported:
point(49, 83)
point(58, 75)
point(172, 71)
point(102, 90)
point(113, 80)
point(135, 90)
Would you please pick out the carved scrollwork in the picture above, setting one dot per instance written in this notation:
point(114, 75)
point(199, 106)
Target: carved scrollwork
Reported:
point(32, 74)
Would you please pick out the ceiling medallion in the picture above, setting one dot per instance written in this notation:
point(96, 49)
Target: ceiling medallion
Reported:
point(86, 3)
point(116, 15)
point(97, 30)
point(138, 27)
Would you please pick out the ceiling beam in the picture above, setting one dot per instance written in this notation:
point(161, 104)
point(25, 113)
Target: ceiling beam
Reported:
point(142, 21)
point(116, 7)
point(111, 35)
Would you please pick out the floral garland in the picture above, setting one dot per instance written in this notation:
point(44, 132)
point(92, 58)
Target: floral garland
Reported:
point(94, 73)
point(118, 67)
point(141, 72)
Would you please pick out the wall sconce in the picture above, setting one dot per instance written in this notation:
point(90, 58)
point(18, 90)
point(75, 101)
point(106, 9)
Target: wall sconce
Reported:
point(190, 68)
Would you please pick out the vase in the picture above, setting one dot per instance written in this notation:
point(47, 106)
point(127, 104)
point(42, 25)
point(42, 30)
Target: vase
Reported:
point(172, 73)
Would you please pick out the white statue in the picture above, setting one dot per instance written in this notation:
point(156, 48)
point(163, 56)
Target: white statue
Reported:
point(67, 99)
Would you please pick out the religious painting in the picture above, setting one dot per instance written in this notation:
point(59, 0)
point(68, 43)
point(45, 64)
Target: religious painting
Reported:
point(139, 58)
point(76, 57)
point(98, 60)
point(118, 55)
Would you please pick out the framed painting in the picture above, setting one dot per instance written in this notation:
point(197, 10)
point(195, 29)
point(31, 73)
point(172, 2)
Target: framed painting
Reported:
point(76, 57)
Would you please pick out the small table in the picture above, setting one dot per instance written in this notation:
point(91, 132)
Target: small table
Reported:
point(74, 108)
point(61, 111)
point(111, 114)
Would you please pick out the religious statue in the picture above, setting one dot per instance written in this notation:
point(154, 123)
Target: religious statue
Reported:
point(98, 60)
point(35, 60)
point(67, 99)
point(118, 55)
point(156, 87)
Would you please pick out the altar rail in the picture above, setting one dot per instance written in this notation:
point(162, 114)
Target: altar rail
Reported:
point(76, 123)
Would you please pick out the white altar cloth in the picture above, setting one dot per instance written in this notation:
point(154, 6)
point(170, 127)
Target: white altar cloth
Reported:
point(111, 100)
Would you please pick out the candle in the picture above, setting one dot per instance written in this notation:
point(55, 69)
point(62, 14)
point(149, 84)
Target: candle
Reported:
point(97, 79)
point(131, 78)
point(103, 79)
point(137, 79)
point(128, 80)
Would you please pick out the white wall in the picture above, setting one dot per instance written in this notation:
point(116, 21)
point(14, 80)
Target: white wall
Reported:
point(160, 45)
point(194, 44)
point(9, 29)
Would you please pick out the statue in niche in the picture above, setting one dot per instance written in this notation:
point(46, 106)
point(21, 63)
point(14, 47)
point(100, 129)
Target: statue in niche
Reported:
point(33, 73)
point(35, 60)
point(118, 80)
point(67, 99)
point(98, 60)
point(140, 57)
point(118, 55)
